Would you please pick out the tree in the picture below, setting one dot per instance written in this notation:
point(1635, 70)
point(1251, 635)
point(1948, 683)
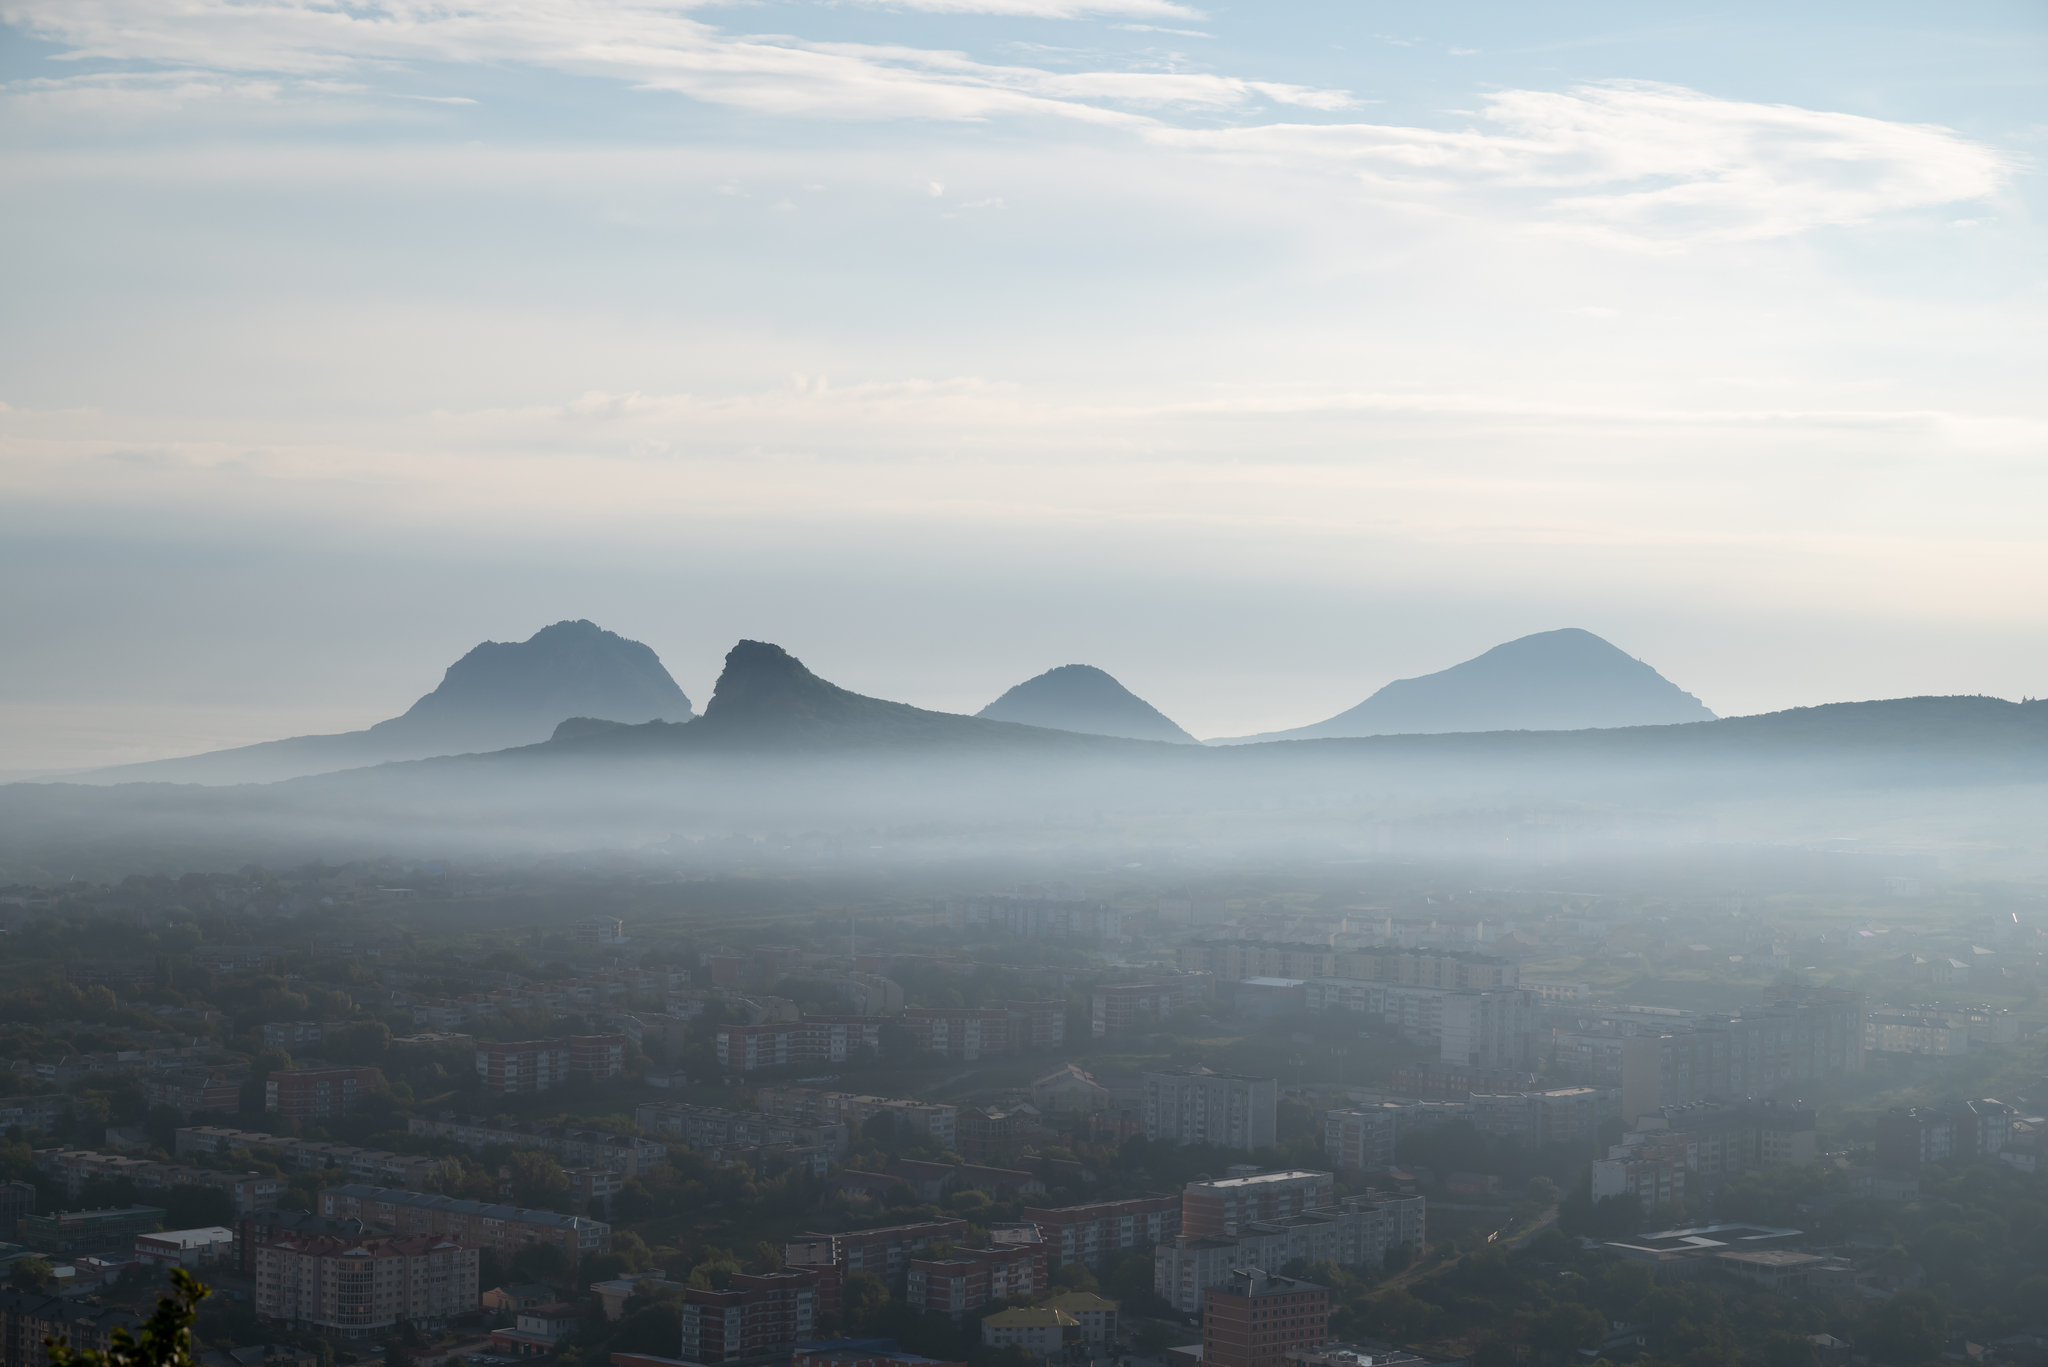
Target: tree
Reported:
point(1906, 1331)
point(30, 1273)
point(166, 1337)
point(538, 1181)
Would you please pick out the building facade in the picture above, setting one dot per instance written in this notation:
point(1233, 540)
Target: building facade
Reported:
point(1212, 1209)
point(1202, 1107)
point(758, 1315)
point(476, 1224)
point(358, 1287)
point(1256, 1319)
point(1084, 1233)
point(318, 1093)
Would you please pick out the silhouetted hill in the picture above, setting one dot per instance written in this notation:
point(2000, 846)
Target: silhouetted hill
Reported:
point(766, 700)
point(500, 694)
point(1567, 680)
point(1084, 698)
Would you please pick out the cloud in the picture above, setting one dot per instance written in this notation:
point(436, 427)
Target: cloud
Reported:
point(1640, 164)
point(1633, 164)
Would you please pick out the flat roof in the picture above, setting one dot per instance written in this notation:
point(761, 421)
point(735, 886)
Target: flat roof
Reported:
point(1284, 1175)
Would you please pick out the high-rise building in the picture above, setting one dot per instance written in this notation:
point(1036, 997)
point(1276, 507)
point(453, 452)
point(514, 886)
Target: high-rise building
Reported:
point(1490, 1027)
point(523, 1066)
point(813, 1039)
point(1761, 1052)
point(1236, 960)
point(1201, 1107)
point(1083, 1233)
point(1423, 968)
point(1003, 1028)
point(758, 1315)
point(1363, 1138)
point(882, 1253)
point(1561, 1115)
point(1359, 1231)
point(1255, 1318)
point(1120, 1008)
point(969, 1278)
point(1910, 1137)
point(1212, 1209)
point(360, 1286)
point(318, 1093)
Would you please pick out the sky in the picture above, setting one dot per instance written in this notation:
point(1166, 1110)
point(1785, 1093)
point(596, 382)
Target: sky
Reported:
point(1258, 354)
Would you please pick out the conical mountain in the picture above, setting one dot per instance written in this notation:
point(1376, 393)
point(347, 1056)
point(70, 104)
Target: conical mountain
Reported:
point(1567, 680)
point(1086, 699)
point(500, 694)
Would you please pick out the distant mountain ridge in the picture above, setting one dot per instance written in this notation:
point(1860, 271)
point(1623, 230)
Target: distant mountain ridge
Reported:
point(1085, 699)
point(767, 700)
point(1567, 680)
point(499, 695)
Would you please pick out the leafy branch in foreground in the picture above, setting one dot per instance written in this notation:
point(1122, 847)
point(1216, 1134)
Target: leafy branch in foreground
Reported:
point(166, 1338)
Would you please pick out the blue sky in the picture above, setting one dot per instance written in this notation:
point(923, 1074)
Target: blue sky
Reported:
point(1259, 355)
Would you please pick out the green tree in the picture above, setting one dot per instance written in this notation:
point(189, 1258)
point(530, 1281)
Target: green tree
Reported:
point(538, 1181)
point(30, 1274)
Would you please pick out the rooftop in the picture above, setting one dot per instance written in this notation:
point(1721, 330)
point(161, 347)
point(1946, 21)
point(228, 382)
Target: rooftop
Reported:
point(1036, 1317)
point(1256, 1179)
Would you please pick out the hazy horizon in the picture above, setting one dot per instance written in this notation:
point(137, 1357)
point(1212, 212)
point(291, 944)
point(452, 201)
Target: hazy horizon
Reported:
point(1258, 357)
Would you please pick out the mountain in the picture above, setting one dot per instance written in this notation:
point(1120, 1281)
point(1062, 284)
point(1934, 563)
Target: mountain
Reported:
point(766, 700)
point(500, 694)
point(1084, 698)
point(1567, 680)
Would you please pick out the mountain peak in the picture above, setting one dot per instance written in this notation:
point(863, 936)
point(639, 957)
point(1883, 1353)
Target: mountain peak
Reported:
point(1085, 699)
point(1564, 680)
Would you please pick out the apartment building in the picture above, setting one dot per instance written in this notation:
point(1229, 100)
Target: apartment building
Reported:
point(1720, 1140)
point(758, 1315)
point(195, 1091)
point(1456, 969)
point(709, 1127)
point(1435, 1080)
point(476, 1224)
point(1038, 913)
point(1765, 1049)
point(1586, 1058)
point(627, 1155)
point(1003, 1028)
point(1911, 1137)
point(916, 1119)
point(972, 1277)
point(67, 1233)
point(1359, 1231)
point(318, 1093)
point(1212, 1209)
point(72, 1169)
point(364, 1286)
point(1652, 1180)
point(810, 1039)
point(1125, 1008)
point(29, 1317)
point(1256, 1319)
point(1201, 1107)
point(290, 1035)
point(1490, 1028)
point(883, 1253)
point(1900, 1032)
point(1236, 960)
point(538, 1065)
point(414, 1172)
point(1362, 1138)
point(1083, 1233)
point(1561, 1115)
